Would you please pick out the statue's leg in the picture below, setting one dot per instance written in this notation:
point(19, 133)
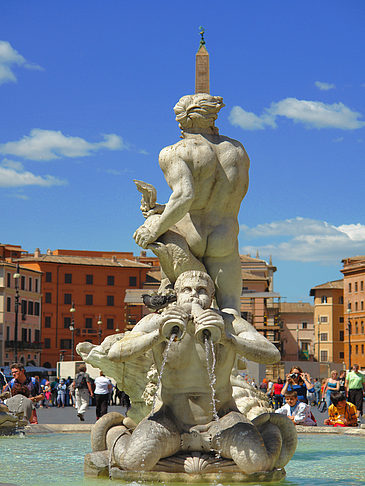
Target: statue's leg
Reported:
point(235, 437)
point(225, 272)
point(154, 438)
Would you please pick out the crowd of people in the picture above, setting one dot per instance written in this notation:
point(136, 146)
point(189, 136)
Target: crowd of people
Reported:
point(31, 393)
point(341, 394)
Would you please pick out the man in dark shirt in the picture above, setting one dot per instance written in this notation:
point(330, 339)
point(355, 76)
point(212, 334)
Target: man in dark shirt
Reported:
point(35, 391)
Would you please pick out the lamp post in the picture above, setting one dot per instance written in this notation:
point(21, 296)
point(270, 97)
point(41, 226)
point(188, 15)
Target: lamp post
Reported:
point(349, 330)
point(318, 338)
point(72, 329)
point(16, 277)
point(99, 323)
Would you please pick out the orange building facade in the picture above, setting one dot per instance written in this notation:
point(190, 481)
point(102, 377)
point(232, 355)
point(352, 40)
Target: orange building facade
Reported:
point(354, 300)
point(94, 285)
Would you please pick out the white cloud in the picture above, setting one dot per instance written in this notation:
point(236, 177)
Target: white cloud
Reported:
point(9, 58)
point(12, 174)
point(50, 144)
point(324, 86)
point(313, 114)
point(307, 240)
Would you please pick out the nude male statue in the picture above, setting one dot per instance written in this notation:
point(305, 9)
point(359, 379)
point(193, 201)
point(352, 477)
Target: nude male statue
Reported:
point(208, 176)
point(186, 420)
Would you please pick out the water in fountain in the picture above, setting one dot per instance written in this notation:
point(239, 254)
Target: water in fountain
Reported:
point(165, 354)
point(209, 349)
point(6, 381)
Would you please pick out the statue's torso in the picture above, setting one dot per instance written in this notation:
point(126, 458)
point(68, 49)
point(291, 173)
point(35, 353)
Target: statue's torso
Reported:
point(186, 388)
point(219, 169)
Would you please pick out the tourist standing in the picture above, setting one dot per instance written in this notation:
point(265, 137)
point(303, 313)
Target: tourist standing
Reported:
point(332, 384)
point(83, 391)
point(342, 380)
point(317, 390)
point(61, 393)
point(300, 382)
point(277, 397)
point(103, 387)
point(355, 385)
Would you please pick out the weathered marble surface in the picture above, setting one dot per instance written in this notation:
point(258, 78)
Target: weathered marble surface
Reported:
point(204, 419)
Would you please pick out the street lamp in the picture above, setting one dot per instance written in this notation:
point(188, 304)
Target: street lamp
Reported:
point(16, 277)
point(72, 329)
point(99, 323)
point(349, 329)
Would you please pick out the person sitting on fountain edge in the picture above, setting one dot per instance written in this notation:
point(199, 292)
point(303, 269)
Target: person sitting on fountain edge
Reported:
point(197, 410)
point(341, 413)
point(298, 412)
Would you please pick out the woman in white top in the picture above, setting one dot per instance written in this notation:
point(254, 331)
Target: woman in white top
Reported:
point(103, 386)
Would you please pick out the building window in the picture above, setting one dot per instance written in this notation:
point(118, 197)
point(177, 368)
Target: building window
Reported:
point(8, 304)
point(89, 279)
point(362, 305)
point(110, 280)
point(7, 333)
point(24, 335)
point(362, 327)
point(47, 321)
point(362, 285)
point(356, 349)
point(342, 335)
point(88, 299)
point(324, 318)
point(350, 288)
point(36, 285)
point(110, 323)
point(22, 282)
point(362, 349)
point(324, 299)
point(342, 355)
point(356, 328)
point(88, 322)
point(355, 286)
point(341, 319)
point(65, 344)
point(29, 335)
point(8, 280)
point(356, 307)
point(110, 300)
point(30, 284)
point(324, 355)
point(30, 308)
point(340, 300)
point(47, 343)
point(36, 308)
point(24, 308)
point(66, 322)
point(349, 306)
point(132, 281)
point(68, 278)
point(324, 336)
point(304, 325)
point(48, 276)
point(67, 299)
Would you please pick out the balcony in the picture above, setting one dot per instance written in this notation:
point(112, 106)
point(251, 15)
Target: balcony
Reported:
point(21, 345)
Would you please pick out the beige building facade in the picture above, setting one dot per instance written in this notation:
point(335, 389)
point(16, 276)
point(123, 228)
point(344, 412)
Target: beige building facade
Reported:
point(329, 321)
point(354, 297)
point(298, 335)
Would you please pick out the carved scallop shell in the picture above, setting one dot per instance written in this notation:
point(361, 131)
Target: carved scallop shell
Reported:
point(196, 463)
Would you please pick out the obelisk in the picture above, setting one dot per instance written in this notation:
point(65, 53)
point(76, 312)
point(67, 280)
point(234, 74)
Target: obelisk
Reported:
point(202, 67)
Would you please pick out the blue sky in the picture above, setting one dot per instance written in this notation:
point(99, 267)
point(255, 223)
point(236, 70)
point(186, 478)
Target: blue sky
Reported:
point(86, 94)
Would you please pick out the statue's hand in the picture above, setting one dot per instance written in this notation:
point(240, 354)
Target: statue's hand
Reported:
point(144, 236)
point(210, 317)
point(158, 209)
point(173, 321)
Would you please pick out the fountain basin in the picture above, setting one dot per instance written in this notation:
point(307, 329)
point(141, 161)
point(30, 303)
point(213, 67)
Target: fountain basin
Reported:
point(49, 458)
